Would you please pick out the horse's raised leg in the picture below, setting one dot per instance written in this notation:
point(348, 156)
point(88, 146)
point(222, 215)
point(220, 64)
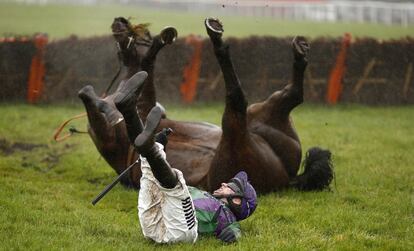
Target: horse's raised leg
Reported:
point(236, 102)
point(234, 116)
point(292, 94)
point(107, 133)
point(100, 114)
point(270, 119)
point(147, 99)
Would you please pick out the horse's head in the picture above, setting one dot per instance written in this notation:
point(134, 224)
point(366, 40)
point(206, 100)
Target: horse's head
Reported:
point(127, 34)
point(120, 30)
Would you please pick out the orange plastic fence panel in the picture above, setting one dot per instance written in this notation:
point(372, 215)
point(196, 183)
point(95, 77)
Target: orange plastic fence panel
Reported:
point(191, 72)
point(37, 70)
point(337, 73)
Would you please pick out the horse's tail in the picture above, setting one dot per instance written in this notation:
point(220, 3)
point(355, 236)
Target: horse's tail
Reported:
point(318, 172)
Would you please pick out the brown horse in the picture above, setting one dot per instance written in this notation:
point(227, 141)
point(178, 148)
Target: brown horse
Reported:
point(259, 139)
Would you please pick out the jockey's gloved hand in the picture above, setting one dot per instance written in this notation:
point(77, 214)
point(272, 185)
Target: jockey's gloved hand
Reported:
point(229, 234)
point(162, 137)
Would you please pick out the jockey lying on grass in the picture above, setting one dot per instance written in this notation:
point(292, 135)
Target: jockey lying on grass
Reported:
point(169, 210)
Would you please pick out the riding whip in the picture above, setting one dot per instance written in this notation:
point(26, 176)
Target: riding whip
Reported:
point(110, 186)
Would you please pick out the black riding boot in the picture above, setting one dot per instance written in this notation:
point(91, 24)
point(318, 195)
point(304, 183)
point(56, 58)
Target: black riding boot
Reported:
point(126, 101)
point(145, 145)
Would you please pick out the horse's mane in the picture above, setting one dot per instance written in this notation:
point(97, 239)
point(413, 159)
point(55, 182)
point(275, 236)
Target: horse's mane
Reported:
point(140, 30)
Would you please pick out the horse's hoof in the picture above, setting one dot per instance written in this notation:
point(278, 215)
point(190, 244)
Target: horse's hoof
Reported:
point(87, 93)
point(113, 117)
point(214, 27)
point(168, 35)
point(300, 46)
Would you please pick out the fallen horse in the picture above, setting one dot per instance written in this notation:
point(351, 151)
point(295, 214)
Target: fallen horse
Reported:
point(259, 139)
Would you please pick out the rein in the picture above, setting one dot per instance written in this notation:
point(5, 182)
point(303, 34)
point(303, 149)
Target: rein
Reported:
point(72, 130)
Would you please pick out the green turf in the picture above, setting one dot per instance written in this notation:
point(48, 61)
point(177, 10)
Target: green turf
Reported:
point(46, 192)
point(63, 20)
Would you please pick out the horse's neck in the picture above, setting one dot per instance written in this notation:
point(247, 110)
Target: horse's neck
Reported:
point(132, 66)
point(131, 70)
point(130, 60)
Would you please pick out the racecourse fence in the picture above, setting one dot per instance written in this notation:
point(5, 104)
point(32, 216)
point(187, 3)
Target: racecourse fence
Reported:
point(363, 71)
point(15, 59)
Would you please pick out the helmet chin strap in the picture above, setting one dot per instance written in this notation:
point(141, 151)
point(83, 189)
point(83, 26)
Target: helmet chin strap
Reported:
point(235, 208)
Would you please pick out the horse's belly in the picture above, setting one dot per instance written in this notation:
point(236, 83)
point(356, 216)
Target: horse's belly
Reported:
point(191, 147)
point(193, 161)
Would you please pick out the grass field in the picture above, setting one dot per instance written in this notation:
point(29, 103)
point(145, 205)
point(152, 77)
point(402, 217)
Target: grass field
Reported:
point(63, 20)
point(46, 187)
point(46, 191)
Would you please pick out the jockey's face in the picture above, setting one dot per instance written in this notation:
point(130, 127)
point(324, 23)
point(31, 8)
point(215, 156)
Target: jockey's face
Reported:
point(225, 191)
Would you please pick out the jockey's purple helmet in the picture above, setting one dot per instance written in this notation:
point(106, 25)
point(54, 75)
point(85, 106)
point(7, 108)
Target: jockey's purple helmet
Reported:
point(243, 189)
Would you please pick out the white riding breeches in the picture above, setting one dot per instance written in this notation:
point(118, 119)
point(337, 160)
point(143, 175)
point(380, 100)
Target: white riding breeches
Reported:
point(165, 215)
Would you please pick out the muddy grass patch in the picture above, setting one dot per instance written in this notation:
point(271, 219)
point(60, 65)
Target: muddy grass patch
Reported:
point(40, 157)
point(8, 148)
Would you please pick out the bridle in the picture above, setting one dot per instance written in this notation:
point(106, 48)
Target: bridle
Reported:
point(132, 40)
